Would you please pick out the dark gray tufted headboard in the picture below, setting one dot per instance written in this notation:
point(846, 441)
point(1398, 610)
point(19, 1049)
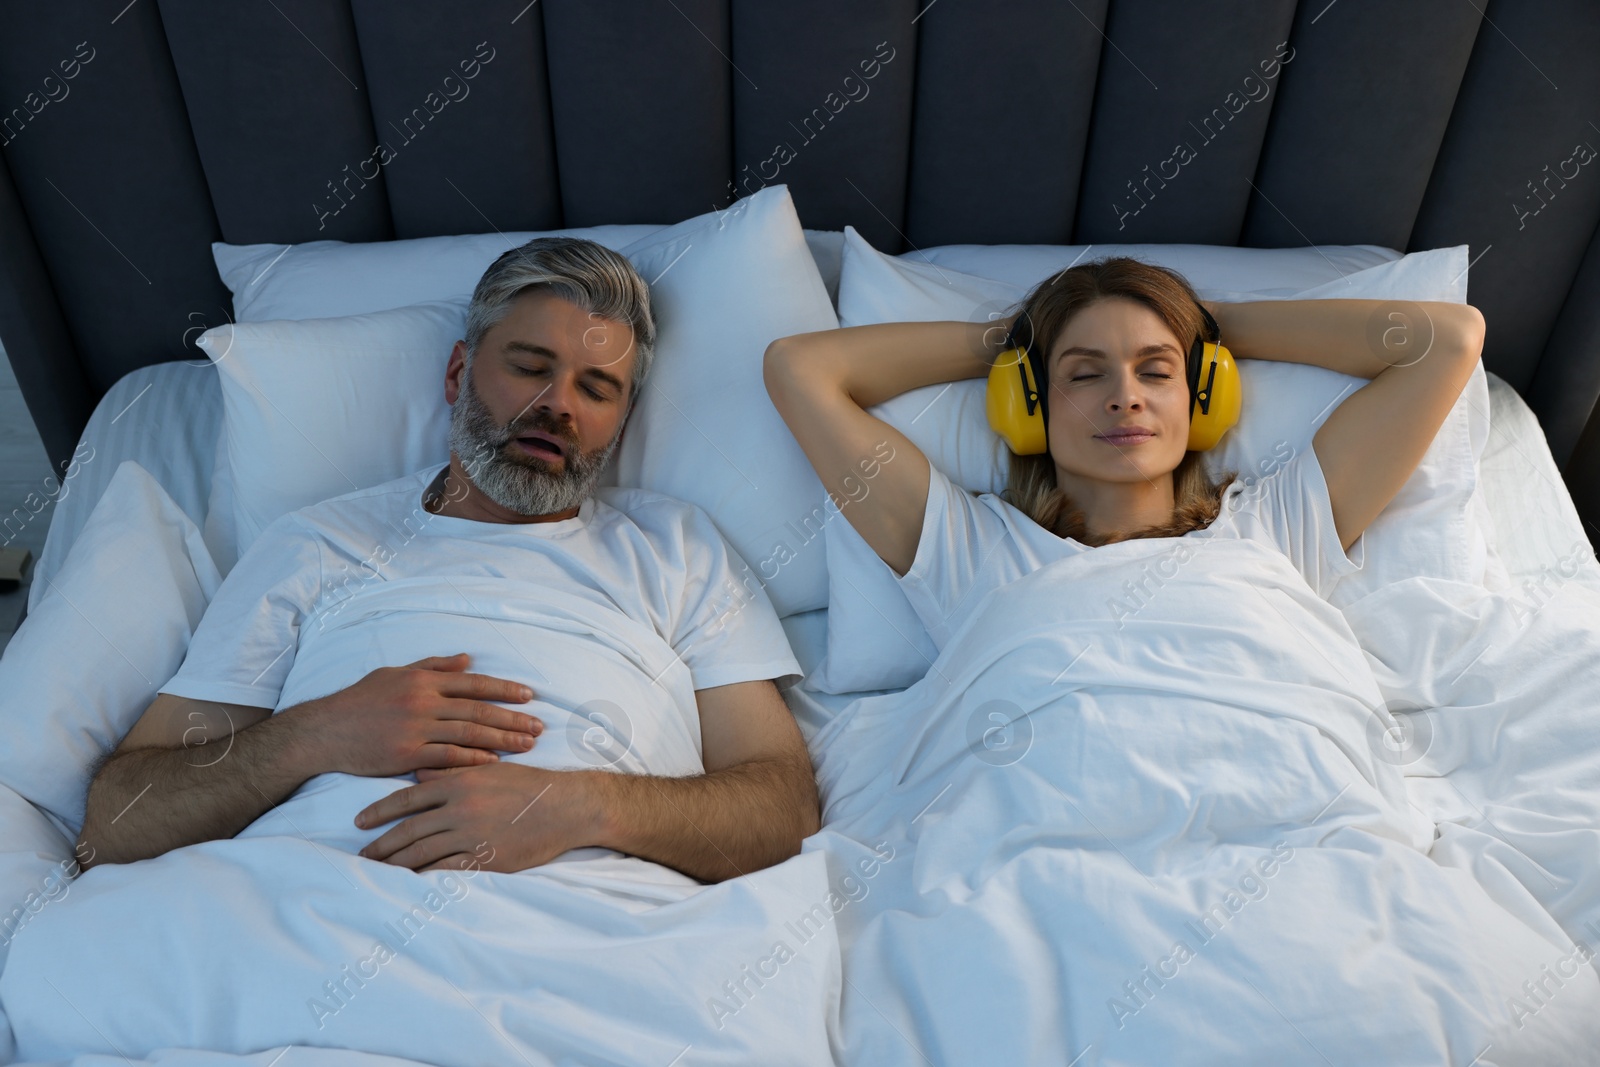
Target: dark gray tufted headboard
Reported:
point(1407, 123)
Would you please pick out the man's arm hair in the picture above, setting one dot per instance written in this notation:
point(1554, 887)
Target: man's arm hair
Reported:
point(189, 771)
point(712, 826)
point(752, 808)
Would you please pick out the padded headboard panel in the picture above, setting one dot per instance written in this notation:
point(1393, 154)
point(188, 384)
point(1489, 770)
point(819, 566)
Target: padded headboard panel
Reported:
point(1411, 123)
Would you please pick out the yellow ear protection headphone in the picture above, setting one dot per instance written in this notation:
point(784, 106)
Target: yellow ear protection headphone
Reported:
point(1016, 404)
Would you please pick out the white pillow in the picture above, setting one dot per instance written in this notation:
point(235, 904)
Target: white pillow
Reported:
point(331, 279)
point(167, 417)
point(322, 407)
point(875, 640)
point(317, 408)
point(724, 286)
point(112, 629)
point(36, 870)
point(1261, 271)
point(948, 421)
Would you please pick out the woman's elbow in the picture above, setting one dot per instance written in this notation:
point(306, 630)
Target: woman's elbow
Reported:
point(1468, 330)
point(777, 368)
point(777, 361)
point(791, 366)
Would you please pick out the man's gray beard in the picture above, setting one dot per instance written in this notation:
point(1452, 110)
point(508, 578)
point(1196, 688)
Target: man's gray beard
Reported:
point(519, 482)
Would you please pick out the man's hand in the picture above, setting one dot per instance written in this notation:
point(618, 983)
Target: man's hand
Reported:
point(427, 714)
point(528, 815)
point(752, 808)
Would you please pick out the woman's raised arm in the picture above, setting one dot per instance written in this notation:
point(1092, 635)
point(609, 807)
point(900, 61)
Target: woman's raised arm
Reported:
point(821, 383)
point(1419, 356)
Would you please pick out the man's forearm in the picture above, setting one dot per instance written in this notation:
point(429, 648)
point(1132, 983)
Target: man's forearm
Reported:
point(149, 801)
point(712, 826)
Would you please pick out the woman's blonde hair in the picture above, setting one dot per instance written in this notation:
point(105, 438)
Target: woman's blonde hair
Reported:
point(1031, 481)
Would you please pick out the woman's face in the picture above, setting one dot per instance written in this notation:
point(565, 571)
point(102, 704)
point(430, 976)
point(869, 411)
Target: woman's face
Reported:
point(1119, 400)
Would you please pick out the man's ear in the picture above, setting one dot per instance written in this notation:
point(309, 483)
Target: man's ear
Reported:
point(453, 371)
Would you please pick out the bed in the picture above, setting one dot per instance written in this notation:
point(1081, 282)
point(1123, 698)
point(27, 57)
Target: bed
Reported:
point(1409, 878)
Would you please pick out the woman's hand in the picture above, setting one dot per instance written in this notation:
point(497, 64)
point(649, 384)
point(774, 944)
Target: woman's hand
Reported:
point(994, 338)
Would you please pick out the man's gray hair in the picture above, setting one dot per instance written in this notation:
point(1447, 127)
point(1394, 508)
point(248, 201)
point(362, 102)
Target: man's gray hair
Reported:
point(589, 275)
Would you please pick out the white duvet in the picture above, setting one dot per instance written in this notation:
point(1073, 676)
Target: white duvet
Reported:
point(1186, 840)
point(1196, 838)
point(283, 936)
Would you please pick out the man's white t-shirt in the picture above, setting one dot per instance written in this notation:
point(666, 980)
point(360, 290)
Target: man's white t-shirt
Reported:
point(657, 560)
point(971, 545)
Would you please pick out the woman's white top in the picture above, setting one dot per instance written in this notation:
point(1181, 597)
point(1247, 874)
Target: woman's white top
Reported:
point(971, 545)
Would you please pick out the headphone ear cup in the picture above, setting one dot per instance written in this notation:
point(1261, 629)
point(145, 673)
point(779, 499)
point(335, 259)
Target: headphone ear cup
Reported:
point(1014, 405)
point(1218, 398)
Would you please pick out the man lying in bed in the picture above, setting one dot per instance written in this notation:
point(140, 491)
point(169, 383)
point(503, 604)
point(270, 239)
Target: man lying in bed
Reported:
point(558, 339)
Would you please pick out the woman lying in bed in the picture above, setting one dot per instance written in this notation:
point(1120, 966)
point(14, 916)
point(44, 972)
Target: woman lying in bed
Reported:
point(1116, 335)
point(1148, 736)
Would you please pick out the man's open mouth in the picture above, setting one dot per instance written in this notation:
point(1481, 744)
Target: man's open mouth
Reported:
point(542, 445)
